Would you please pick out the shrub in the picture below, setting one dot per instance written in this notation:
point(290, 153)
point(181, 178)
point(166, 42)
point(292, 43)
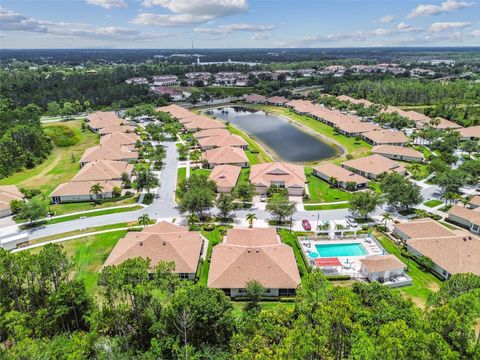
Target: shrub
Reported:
point(116, 191)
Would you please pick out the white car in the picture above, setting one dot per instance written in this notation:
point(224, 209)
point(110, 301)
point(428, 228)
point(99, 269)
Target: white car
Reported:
point(352, 222)
point(263, 198)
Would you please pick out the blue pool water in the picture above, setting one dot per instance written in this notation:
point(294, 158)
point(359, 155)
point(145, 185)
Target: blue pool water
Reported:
point(313, 255)
point(339, 250)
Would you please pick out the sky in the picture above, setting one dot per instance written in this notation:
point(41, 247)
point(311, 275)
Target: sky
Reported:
point(175, 24)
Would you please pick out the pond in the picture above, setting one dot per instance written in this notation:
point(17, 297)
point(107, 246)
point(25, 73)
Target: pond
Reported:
point(284, 140)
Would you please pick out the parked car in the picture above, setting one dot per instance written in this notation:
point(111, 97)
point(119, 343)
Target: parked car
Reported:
point(351, 221)
point(263, 198)
point(306, 225)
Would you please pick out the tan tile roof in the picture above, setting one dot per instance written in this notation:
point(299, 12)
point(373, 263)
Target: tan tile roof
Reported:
point(475, 200)
point(470, 132)
point(411, 115)
point(341, 174)
point(204, 124)
point(264, 174)
point(7, 194)
point(119, 138)
point(397, 150)
point(102, 152)
point(225, 175)
point(386, 137)
point(74, 188)
point(380, 263)
point(279, 100)
point(352, 125)
point(222, 141)
point(103, 170)
point(374, 164)
point(252, 237)
point(101, 119)
point(117, 129)
point(447, 124)
point(456, 254)
point(263, 259)
point(225, 155)
point(175, 111)
point(472, 215)
point(423, 228)
point(210, 132)
point(255, 98)
point(355, 101)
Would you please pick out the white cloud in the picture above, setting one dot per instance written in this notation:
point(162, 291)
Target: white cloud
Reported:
point(226, 29)
point(403, 27)
point(108, 4)
point(260, 36)
point(475, 33)
point(387, 19)
point(444, 26)
point(10, 20)
point(445, 7)
point(188, 12)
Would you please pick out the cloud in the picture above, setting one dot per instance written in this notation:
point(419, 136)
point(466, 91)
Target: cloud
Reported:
point(10, 20)
point(387, 19)
point(108, 4)
point(445, 7)
point(226, 29)
point(189, 12)
point(260, 36)
point(475, 33)
point(444, 26)
point(403, 27)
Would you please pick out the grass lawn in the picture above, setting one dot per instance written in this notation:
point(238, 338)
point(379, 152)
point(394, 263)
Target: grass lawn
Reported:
point(214, 237)
point(424, 283)
point(326, 207)
point(290, 238)
point(433, 203)
point(60, 166)
point(62, 209)
point(181, 175)
point(321, 191)
point(199, 171)
point(95, 213)
point(355, 148)
point(89, 253)
point(255, 153)
point(420, 174)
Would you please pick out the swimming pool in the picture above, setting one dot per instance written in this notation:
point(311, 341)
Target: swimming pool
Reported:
point(339, 250)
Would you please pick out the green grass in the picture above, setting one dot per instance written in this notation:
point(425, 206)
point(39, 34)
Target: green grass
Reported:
point(63, 135)
point(326, 207)
point(95, 213)
point(60, 166)
point(264, 305)
point(181, 175)
point(420, 174)
point(199, 171)
point(290, 238)
point(214, 237)
point(321, 191)
point(424, 283)
point(355, 148)
point(228, 90)
point(63, 209)
point(433, 203)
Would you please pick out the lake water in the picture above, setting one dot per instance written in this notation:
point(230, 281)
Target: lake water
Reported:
point(285, 140)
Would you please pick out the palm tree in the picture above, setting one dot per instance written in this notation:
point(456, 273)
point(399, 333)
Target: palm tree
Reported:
point(144, 220)
point(464, 201)
point(414, 169)
point(126, 183)
point(96, 189)
point(386, 217)
point(250, 217)
point(192, 220)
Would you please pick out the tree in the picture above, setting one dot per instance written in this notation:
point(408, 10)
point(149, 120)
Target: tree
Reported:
point(147, 180)
point(198, 201)
point(126, 182)
point(425, 262)
point(192, 220)
point(280, 207)
point(386, 216)
point(225, 204)
point(250, 218)
point(333, 181)
point(470, 146)
point(400, 192)
point(33, 210)
point(245, 191)
point(144, 220)
point(253, 292)
point(414, 169)
point(365, 202)
point(96, 189)
point(450, 181)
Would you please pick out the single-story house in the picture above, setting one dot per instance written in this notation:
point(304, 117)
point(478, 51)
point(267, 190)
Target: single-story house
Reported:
point(203, 124)
point(474, 202)
point(382, 268)
point(395, 152)
point(354, 101)
point(162, 242)
point(346, 179)
point(280, 174)
point(385, 137)
point(255, 99)
point(106, 152)
point(420, 228)
point(470, 133)
point(225, 176)
point(373, 166)
point(175, 111)
point(78, 191)
point(225, 156)
point(101, 119)
point(8, 193)
point(469, 218)
point(103, 170)
point(222, 141)
point(353, 127)
point(174, 94)
point(118, 139)
point(277, 100)
point(444, 124)
point(116, 129)
point(253, 254)
point(209, 133)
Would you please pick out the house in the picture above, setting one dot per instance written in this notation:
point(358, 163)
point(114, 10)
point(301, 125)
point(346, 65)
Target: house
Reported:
point(106, 152)
point(101, 119)
point(385, 269)
point(202, 134)
point(444, 124)
point(222, 141)
point(351, 126)
point(466, 217)
point(175, 111)
point(225, 176)
point(204, 123)
point(162, 242)
point(174, 95)
point(77, 191)
point(165, 80)
point(398, 153)
point(420, 228)
point(474, 202)
point(280, 174)
point(255, 99)
point(137, 81)
point(373, 166)
point(225, 156)
point(276, 100)
point(470, 133)
point(103, 170)
point(354, 101)
point(385, 137)
point(253, 254)
point(8, 193)
point(116, 129)
point(116, 139)
point(345, 179)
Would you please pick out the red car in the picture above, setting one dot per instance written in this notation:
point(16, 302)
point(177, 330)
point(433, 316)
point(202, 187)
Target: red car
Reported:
point(306, 225)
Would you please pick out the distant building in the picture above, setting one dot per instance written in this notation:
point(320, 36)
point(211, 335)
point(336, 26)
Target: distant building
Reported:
point(175, 95)
point(137, 81)
point(165, 80)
